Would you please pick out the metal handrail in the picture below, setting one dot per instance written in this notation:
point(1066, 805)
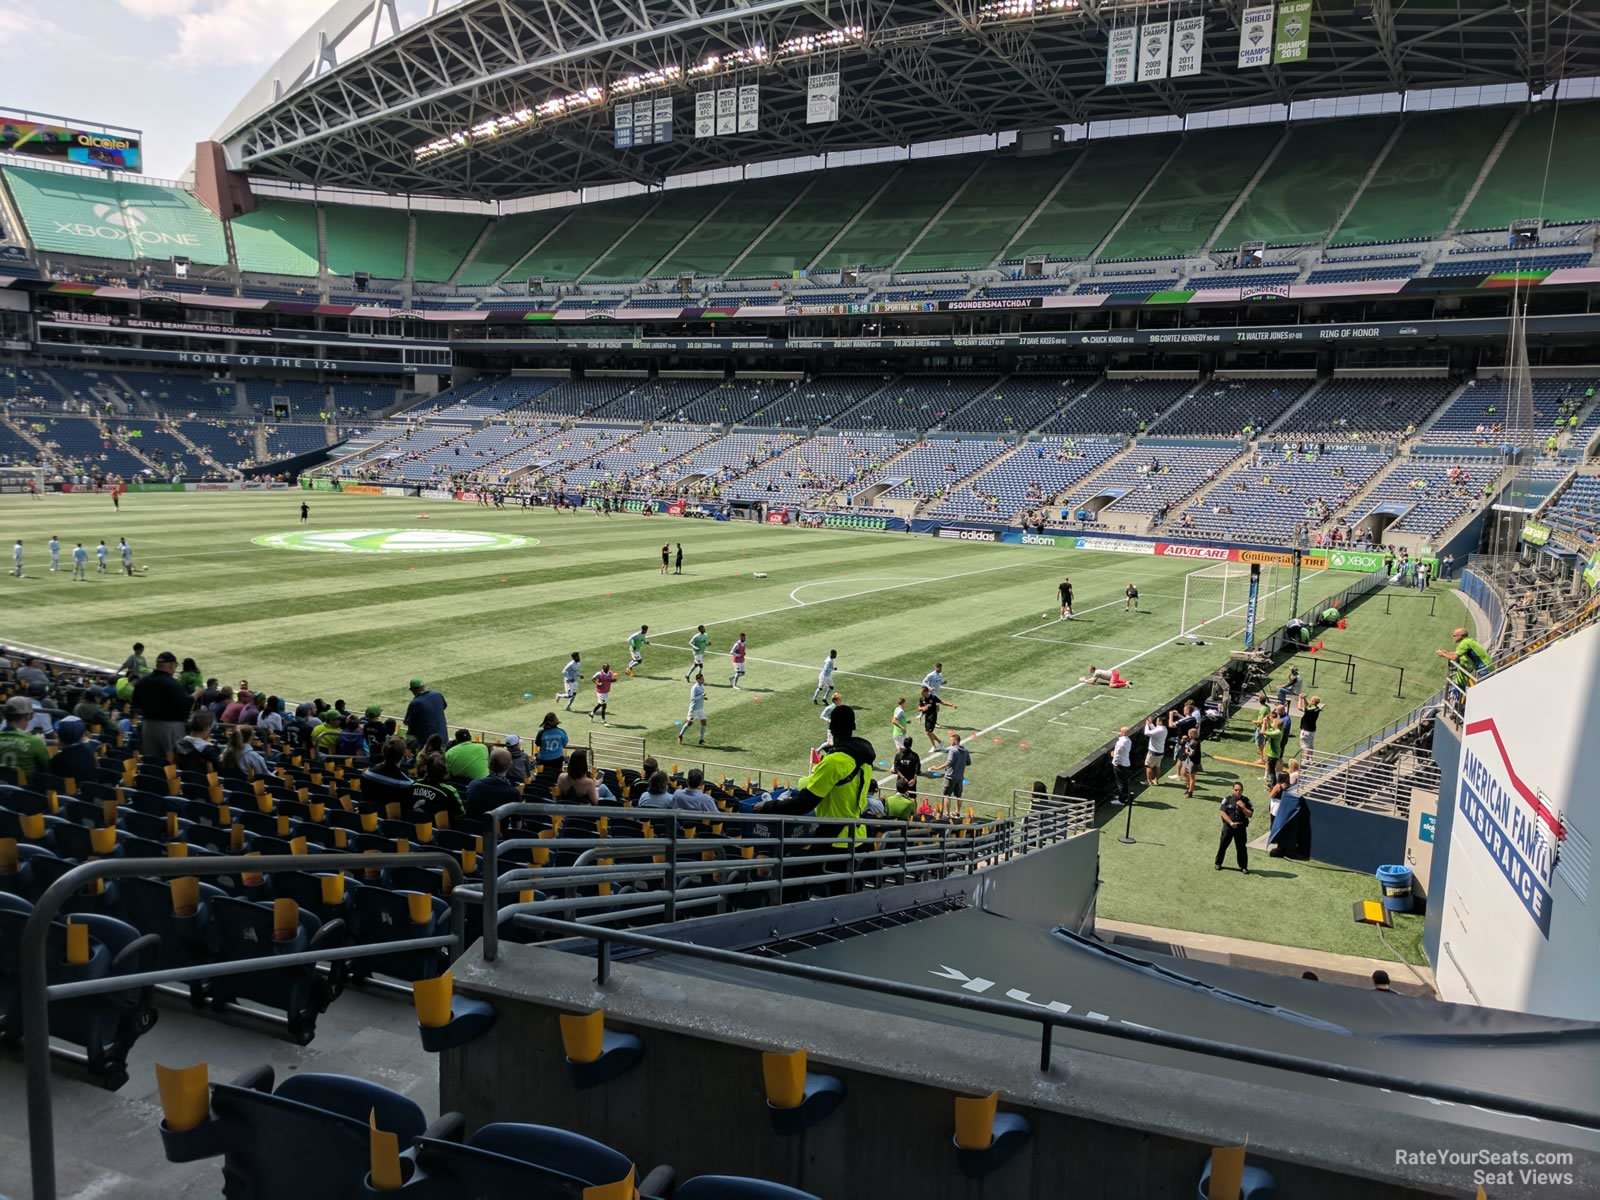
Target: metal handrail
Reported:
point(37, 991)
point(995, 838)
point(1051, 1019)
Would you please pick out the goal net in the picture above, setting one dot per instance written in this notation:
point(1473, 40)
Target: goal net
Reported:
point(22, 479)
point(1216, 602)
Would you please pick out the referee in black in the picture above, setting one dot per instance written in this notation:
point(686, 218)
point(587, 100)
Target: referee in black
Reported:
point(1235, 813)
point(1064, 589)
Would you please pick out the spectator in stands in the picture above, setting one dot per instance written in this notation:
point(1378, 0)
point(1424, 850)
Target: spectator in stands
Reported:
point(466, 759)
point(836, 788)
point(352, 741)
point(521, 766)
point(189, 675)
point(657, 793)
point(135, 665)
point(195, 750)
point(76, 758)
point(433, 793)
point(271, 716)
point(88, 710)
point(576, 786)
point(37, 679)
point(425, 714)
point(386, 781)
point(552, 741)
point(325, 734)
point(164, 705)
point(243, 757)
point(234, 709)
point(19, 749)
point(692, 796)
point(488, 793)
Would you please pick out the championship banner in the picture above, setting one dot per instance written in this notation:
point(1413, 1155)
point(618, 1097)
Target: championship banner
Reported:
point(662, 119)
point(705, 114)
point(1294, 32)
point(727, 111)
point(1155, 40)
point(622, 126)
point(644, 123)
point(749, 108)
point(1188, 40)
point(822, 98)
point(1255, 36)
point(1120, 55)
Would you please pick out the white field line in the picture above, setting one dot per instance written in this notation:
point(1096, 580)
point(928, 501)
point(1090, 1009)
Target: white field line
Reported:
point(905, 581)
point(817, 670)
point(767, 612)
point(1067, 691)
point(1028, 637)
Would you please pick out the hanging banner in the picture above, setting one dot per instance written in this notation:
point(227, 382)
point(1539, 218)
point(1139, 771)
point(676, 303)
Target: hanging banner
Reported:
point(1294, 32)
point(1188, 40)
point(822, 98)
point(644, 123)
point(662, 118)
point(749, 108)
point(1255, 36)
point(621, 126)
point(727, 111)
point(1155, 40)
point(1120, 56)
point(705, 114)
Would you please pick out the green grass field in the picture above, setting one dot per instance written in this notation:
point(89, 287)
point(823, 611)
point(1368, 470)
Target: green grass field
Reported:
point(491, 629)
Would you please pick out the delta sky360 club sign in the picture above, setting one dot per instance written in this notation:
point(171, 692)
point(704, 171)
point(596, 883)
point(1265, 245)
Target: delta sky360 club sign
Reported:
point(393, 541)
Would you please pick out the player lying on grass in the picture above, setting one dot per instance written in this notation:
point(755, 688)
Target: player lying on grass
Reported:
point(1109, 676)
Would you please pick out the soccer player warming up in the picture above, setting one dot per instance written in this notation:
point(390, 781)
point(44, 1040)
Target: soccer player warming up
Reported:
point(737, 654)
point(928, 705)
point(825, 676)
point(603, 679)
point(698, 644)
point(569, 680)
point(636, 645)
point(697, 709)
point(1131, 592)
point(1106, 675)
point(1064, 590)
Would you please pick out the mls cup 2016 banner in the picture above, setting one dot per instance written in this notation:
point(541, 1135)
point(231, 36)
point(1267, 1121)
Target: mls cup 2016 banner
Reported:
point(1255, 36)
point(1518, 927)
point(1294, 32)
point(822, 98)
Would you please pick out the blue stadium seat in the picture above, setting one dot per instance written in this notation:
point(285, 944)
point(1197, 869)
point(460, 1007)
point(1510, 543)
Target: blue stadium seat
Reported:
point(511, 1160)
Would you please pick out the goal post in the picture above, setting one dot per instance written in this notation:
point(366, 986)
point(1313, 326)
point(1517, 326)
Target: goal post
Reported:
point(1218, 603)
point(22, 478)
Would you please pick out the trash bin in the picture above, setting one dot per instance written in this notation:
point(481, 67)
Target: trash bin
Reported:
point(1396, 884)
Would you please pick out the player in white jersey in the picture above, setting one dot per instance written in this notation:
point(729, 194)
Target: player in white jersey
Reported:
point(100, 553)
point(697, 709)
point(698, 644)
point(737, 654)
point(55, 553)
point(16, 559)
point(934, 679)
point(825, 676)
point(570, 674)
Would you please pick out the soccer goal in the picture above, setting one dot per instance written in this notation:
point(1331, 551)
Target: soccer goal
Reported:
point(22, 479)
point(1216, 601)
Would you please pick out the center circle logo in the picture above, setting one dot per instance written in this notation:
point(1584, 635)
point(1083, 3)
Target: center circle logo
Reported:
point(393, 541)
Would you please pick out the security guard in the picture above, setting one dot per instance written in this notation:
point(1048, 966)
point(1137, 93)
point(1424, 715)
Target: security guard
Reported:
point(836, 789)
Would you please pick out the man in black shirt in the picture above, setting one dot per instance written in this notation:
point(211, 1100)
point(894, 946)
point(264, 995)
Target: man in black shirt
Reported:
point(1064, 590)
point(928, 706)
point(1235, 813)
point(907, 769)
point(165, 704)
point(678, 560)
point(1309, 716)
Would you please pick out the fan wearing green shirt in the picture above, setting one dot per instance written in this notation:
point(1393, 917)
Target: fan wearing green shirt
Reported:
point(636, 644)
point(19, 749)
point(698, 644)
point(1470, 657)
point(466, 759)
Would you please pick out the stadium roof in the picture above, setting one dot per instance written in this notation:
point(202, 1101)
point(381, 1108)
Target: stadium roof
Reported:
point(497, 99)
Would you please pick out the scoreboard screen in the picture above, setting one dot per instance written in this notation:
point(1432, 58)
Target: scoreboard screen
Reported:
point(115, 150)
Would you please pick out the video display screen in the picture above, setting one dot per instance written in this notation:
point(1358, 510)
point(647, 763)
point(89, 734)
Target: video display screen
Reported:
point(63, 143)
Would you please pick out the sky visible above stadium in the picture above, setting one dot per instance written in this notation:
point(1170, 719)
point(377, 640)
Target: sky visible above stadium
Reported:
point(173, 68)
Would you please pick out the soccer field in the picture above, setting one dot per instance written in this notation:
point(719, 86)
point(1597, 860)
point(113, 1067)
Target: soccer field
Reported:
point(491, 627)
point(391, 595)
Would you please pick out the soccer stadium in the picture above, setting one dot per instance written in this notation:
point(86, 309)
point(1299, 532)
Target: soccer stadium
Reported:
point(946, 582)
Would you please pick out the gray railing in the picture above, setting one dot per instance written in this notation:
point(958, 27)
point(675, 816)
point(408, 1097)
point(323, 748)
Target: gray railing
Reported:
point(38, 992)
point(664, 874)
point(1048, 1020)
